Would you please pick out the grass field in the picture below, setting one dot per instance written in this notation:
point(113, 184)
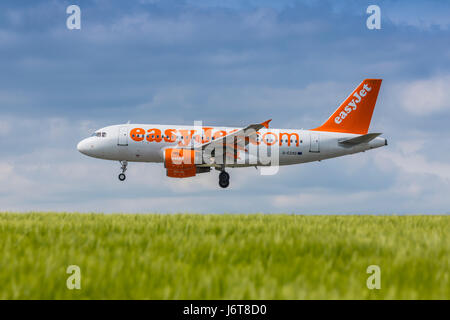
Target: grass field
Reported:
point(223, 256)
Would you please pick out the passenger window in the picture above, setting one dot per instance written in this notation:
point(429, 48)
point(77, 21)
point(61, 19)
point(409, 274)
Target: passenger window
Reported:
point(103, 134)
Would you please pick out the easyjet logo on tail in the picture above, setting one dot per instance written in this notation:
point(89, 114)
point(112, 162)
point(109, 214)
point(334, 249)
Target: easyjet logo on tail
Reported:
point(354, 114)
point(352, 105)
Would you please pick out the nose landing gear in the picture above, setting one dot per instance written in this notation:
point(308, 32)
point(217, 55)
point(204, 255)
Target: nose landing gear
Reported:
point(124, 164)
point(224, 179)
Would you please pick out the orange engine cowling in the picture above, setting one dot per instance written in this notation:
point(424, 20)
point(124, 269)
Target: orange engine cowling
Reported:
point(181, 173)
point(180, 163)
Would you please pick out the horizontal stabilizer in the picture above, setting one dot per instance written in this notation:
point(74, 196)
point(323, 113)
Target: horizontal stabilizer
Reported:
point(361, 139)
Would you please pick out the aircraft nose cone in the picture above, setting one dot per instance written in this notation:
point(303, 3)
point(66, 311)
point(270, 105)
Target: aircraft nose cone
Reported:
point(83, 146)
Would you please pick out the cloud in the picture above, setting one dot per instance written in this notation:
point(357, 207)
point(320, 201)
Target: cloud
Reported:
point(5, 128)
point(411, 158)
point(425, 96)
point(255, 103)
point(424, 15)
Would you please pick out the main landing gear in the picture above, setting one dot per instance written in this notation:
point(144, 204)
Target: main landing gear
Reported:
point(124, 164)
point(224, 179)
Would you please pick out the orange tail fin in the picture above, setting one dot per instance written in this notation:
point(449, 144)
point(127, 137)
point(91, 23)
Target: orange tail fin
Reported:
point(355, 113)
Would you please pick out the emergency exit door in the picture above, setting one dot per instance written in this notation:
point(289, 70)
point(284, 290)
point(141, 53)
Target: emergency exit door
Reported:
point(314, 142)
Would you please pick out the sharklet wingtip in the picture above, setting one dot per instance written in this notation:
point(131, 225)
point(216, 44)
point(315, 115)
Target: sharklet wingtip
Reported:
point(266, 123)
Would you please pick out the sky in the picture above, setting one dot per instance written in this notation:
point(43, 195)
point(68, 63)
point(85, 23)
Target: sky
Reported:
point(228, 63)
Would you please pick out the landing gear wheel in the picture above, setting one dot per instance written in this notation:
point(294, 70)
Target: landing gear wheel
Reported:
point(224, 179)
point(124, 165)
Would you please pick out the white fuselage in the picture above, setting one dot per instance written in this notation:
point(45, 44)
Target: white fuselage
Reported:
point(117, 142)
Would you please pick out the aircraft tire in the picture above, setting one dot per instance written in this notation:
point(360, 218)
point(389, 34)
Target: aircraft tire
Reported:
point(224, 179)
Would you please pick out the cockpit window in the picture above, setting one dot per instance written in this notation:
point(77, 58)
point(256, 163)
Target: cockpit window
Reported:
point(99, 134)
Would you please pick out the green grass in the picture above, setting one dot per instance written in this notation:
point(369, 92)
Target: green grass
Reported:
point(223, 256)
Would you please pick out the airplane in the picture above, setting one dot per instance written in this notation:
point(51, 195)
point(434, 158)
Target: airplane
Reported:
point(187, 151)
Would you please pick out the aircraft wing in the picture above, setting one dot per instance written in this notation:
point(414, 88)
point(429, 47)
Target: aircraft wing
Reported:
point(237, 139)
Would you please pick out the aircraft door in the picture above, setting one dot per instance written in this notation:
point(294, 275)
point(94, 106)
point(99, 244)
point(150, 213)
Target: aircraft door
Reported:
point(123, 136)
point(314, 142)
